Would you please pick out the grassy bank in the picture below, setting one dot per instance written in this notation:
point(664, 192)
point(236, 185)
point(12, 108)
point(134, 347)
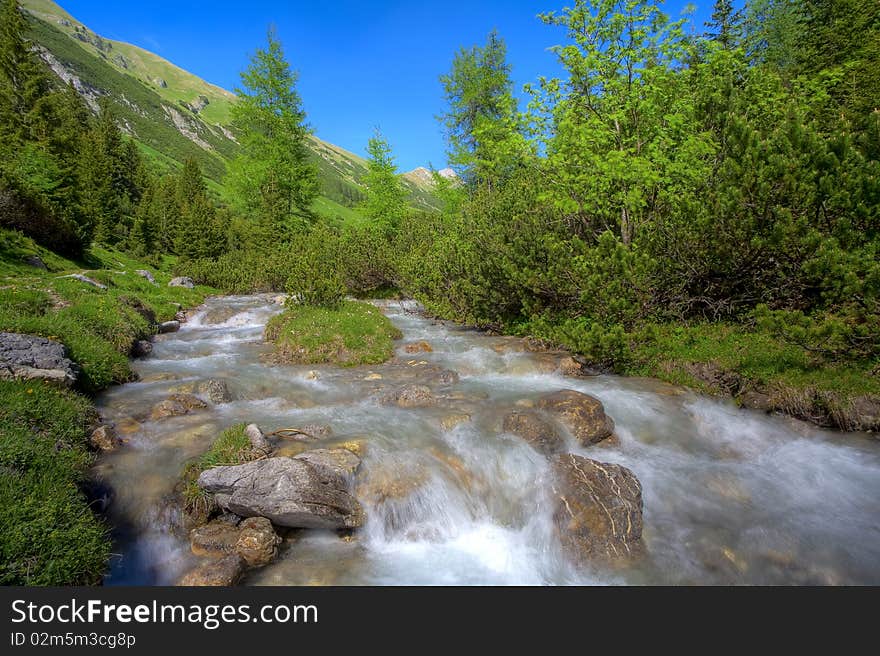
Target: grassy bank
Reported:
point(757, 368)
point(353, 334)
point(51, 536)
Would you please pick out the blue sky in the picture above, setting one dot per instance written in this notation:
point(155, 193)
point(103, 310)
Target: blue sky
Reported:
point(362, 64)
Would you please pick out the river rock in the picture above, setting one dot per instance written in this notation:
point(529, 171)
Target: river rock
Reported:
point(183, 281)
point(27, 357)
point(221, 572)
point(216, 390)
point(418, 347)
point(336, 462)
point(754, 400)
point(411, 396)
point(257, 541)
point(287, 491)
point(534, 429)
point(169, 327)
point(449, 422)
point(177, 405)
point(257, 439)
point(583, 414)
point(104, 438)
point(598, 509)
point(141, 348)
point(143, 273)
point(216, 538)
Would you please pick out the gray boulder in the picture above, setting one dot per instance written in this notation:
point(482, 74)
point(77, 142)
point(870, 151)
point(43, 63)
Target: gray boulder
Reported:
point(146, 274)
point(86, 280)
point(169, 327)
point(183, 281)
point(340, 463)
point(287, 491)
point(36, 261)
point(26, 357)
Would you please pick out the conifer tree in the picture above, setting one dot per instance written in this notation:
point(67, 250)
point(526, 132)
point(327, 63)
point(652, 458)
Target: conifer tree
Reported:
point(385, 203)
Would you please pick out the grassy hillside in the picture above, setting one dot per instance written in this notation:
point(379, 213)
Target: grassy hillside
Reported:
point(50, 534)
point(174, 114)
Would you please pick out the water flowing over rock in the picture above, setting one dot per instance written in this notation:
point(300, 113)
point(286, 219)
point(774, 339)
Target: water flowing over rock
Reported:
point(27, 357)
point(169, 327)
point(222, 572)
point(287, 491)
point(104, 438)
point(581, 413)
point(141, 348)
point(538, 432)
point(411, 396)
point(183, 281)
point(598, 510)
point(176, 406)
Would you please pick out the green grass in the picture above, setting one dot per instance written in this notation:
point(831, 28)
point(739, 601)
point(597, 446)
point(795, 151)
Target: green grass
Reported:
point(231, 447)
point(97, 326)
point(50, 536)
point(353, 334)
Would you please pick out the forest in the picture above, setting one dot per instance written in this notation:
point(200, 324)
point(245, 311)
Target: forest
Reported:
point(699, 204)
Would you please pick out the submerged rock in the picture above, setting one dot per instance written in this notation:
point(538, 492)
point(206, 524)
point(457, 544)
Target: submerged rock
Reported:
point(418, 347)
point(598, 509)
point(411, 396)
point(537, 431)
point(583, 414)
point(216, 390)
point(177, 405)
point(222, 572)
point(449, 422)
point(104, 438)
point(27, 357)
point(287, 491)
point(183, 281)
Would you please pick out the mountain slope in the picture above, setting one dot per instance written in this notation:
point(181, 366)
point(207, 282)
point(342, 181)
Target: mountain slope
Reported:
point(174, 114)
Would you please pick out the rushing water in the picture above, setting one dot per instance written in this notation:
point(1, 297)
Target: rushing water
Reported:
point(730, 496)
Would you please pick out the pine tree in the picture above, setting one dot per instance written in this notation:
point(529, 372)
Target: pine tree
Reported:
point(385, 203)
point(22, 80)
point(483, 130)
point(724, 24)
point(272, 181)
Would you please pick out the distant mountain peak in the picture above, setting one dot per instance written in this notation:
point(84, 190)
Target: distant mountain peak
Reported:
point(423, 177)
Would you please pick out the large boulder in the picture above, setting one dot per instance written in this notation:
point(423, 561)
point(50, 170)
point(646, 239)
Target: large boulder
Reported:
point(597, 510)
point(287, 491)
point(335, 462)
point(36, 261)
point(583, 414)
point(534, 429)
point(183, 281)
point(26, 357)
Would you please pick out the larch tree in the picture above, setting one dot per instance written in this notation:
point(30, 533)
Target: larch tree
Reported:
point(385, 203)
